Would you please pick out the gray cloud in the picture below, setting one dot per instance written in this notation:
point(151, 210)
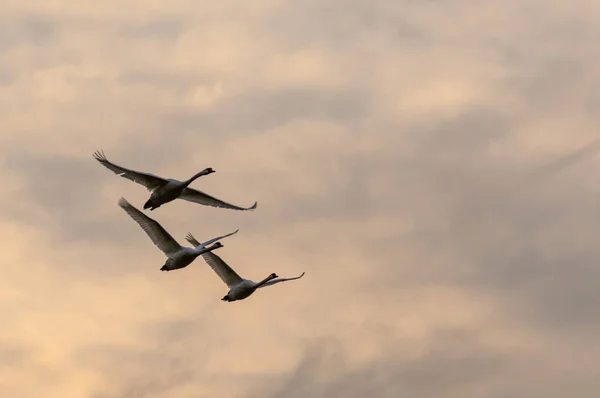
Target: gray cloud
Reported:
point(455, 365)
point(267, 109)
point(12, 355)
point(64, 189)
point(151, 372)
point(162, 28)
point(35, 29)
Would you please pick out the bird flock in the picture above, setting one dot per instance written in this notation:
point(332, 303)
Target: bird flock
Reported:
point(165, 190)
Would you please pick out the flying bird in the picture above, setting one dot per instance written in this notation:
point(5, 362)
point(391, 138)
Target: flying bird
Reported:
point(239, 288)
point(164, 190)
point(177, 256)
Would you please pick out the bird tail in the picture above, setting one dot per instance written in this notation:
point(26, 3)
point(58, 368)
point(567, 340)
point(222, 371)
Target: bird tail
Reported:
point(148, 204)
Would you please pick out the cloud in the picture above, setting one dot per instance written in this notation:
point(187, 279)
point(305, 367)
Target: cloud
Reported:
point(456, 367)
point(430, 165)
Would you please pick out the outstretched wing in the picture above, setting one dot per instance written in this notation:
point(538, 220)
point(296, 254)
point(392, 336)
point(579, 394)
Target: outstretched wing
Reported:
point(195, 196)
point(274, 281)
point(227, 275)
point(150, 181)
point(161, 238)
point(190, 238)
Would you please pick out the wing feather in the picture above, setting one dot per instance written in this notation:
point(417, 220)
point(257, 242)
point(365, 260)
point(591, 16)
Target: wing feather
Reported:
point(224, 271)
point(150, 181)
point(195, 196)
point(190, 238)
point(274, 281)
point(159, 236)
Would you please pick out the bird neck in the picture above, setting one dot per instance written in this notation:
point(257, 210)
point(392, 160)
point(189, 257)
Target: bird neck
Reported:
point(192, 178)
point(268, 278)
point(203, 250)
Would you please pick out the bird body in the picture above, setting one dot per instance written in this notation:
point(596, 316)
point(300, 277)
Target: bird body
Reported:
point(181, 259)
point(170, 191)
point(245, 288)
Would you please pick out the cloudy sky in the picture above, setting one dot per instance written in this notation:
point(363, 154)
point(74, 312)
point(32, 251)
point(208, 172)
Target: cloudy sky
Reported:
point(431, 165)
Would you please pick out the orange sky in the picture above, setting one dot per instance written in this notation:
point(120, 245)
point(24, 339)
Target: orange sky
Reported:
point(430, 165)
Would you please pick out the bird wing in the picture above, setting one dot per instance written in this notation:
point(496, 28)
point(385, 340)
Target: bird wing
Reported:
point(195, 196)
point(161, 238)
point(274, 281)
point(227, 275)
point(190, 238)
point(150, 181)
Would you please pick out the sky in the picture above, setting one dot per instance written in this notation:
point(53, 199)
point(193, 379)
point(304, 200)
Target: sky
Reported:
point(431, 166)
